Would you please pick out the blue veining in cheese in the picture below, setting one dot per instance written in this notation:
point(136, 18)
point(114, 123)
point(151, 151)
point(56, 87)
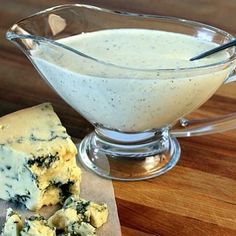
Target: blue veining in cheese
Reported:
point(37, 158)
point(37, 226)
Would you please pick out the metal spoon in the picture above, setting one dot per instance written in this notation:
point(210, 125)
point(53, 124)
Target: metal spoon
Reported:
point(214, 50)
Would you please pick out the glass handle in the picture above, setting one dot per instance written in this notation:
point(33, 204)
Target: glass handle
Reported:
point(195, 127)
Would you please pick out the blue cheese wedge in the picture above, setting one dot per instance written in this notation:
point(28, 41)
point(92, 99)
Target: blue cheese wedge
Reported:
point(13, 224)
point(37, 226)
point(37, 158)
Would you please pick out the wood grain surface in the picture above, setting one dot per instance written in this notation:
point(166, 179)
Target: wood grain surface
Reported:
point(197, 197)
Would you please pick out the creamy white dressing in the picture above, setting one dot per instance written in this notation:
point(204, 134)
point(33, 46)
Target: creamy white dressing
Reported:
point(132, 94)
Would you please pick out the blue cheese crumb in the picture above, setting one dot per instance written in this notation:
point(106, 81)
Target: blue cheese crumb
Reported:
point(82, 229)
point(95, 214)
point(13, 224)
point(37, 226)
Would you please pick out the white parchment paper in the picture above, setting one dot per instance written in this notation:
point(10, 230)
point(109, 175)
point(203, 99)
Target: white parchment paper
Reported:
point(92, 188)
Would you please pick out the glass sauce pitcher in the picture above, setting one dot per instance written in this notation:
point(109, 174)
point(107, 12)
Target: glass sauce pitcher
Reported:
point(136, 122)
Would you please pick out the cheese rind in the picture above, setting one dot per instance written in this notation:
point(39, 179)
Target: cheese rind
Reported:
point(37, 158)
point(13, 224)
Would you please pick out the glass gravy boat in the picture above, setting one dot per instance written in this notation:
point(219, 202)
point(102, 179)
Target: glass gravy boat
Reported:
point(130, 141)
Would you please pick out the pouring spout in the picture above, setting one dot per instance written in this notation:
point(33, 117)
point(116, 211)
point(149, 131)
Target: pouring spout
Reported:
point(11, 36)
point(16, 32)
point(22, 38)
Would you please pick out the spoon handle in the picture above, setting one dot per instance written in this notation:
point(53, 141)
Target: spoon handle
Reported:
point(214, 50)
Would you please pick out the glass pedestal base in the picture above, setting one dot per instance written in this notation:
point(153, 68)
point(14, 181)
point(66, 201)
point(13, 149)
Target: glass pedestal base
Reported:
point(129, 159)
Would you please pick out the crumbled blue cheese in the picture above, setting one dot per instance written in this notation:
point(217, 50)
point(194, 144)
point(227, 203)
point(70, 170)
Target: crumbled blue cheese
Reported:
point(95, 214)
point(79, 216)
point(13, 224)
point(37, 226)
point(76, 217)
point(37, 158)
point(82, 229)
point(70, 222)
point(63, 218)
